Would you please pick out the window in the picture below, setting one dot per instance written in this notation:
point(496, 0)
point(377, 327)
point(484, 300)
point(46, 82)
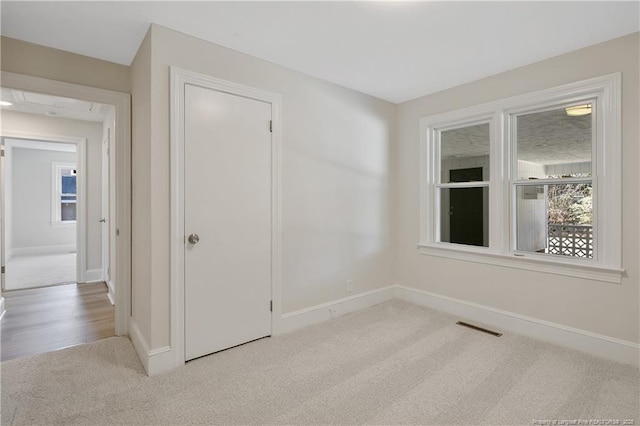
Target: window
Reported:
point(553, 185)
point(64, 193)
point(531, 181)
point(463, 187)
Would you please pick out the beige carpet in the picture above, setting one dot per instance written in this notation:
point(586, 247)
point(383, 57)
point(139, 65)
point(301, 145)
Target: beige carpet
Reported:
point(40, 270)
point(395, 363)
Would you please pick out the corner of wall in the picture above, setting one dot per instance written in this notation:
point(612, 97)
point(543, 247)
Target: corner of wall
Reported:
point(327, 311)
point(155, 361)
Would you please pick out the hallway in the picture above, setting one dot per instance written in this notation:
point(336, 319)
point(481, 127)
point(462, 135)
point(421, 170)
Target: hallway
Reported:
point(50, 318)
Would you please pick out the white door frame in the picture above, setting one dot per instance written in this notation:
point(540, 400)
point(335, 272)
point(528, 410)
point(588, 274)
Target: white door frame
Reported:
point(122, 138)
point(81, 206)
point(2, 222)
point(179, 78)
point(105, 163)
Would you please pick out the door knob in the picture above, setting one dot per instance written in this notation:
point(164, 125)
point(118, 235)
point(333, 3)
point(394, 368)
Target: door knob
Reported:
point(193, 238)
point(103, 220)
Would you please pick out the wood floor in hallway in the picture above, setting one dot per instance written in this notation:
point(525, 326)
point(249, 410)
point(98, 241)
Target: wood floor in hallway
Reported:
point(49, 318)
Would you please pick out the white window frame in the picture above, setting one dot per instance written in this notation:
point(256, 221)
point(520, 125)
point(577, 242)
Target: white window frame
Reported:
point(56, 193)
point(605, 93)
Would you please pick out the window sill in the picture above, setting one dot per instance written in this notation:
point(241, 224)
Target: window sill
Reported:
point(589, 272)
point(63, 224)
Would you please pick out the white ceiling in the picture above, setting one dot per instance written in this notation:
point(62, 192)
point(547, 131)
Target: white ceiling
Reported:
point(393, 50)
point(53, 106)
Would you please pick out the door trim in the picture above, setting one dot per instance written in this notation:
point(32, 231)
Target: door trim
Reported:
point(81, 166)
point(179, 78)
point(105, 161)
point(122, 145)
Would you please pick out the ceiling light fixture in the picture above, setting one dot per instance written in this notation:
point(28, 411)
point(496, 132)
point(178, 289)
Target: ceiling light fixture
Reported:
point(578, 110)
point(5, 103)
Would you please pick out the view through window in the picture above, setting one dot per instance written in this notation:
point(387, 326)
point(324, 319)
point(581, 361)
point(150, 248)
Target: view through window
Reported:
point(554, 188)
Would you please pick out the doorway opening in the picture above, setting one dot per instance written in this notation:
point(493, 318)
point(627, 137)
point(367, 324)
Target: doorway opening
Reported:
point(61, 291)
point(44, 207)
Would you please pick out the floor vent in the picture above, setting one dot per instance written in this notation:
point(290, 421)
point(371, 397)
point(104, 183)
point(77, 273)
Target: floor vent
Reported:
point(475, 327)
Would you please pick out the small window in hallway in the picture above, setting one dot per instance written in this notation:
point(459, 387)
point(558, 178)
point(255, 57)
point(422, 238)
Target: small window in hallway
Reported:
point(65, 193)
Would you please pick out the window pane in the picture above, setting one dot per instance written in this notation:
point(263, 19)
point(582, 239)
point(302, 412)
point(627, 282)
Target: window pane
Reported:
point(555, 219)
point(67, 211)
point(464, 216)
point(464, 148)
point(68, 184)
point(553, 144)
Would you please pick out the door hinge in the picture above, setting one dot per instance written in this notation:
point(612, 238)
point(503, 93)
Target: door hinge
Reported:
point(2, 153)
point(270, 126)
point(2, 270)
point(270, 302)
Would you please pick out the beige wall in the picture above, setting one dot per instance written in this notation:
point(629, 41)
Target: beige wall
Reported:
point(39, 61)
point(31, 200)
point(349, 194)
point(598, 307)
point(336, 206)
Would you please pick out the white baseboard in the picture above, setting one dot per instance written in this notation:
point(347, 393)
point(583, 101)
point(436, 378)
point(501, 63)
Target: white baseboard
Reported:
point(154, 361)
point(581, 340)
point(316, 314)
point(2, 311)
point(31, 251)
point(163, 359)
point(92, 276)
point(111, 293)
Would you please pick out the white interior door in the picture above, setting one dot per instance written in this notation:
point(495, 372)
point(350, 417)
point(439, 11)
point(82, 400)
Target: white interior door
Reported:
point(106, 184)
point(227, 203)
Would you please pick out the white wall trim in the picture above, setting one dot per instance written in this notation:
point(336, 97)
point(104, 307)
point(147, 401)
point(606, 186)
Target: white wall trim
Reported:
point(163, 359)
point(2, 310)
point(326, 311)
point(154, 361)
point(139, 343)
point(122, 146)
point(585, 341)
point(92, 276)
point(178, 79)
point(110, 292)
point(46, 146)
point(574, 268)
